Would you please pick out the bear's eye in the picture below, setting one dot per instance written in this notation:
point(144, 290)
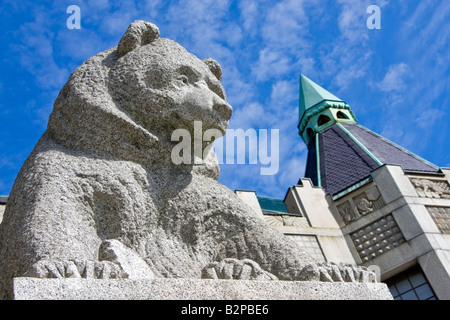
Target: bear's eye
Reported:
point(183, 78)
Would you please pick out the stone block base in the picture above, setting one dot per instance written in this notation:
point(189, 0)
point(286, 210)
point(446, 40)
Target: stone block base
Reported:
point(193, 289)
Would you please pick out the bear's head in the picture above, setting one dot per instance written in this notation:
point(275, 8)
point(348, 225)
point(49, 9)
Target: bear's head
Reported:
point(127, 101)
point(163, 86)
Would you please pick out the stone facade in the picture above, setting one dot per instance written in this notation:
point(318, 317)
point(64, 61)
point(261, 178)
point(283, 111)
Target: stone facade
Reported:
point(377, 238)
point(441, 217)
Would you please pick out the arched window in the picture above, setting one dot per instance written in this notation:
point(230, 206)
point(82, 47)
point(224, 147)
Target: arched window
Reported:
point(322, 120)
point(310, 132)
point(341, 115)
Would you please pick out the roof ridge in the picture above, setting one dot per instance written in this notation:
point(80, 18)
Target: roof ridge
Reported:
point(342, 160)
point(397, 146)
point(360, 144)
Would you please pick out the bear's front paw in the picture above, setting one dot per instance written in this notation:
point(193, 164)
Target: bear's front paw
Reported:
point(331, 272)
point(75, 269)
point(236, 269)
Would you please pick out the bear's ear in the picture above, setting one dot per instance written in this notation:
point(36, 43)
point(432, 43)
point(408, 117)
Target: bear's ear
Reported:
point(138, 33)
point(215, 68)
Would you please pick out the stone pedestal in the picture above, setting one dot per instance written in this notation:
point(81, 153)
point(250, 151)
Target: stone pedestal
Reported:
point(194, 289)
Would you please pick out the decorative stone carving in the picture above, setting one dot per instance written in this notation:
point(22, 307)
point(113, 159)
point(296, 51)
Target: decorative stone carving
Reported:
point(364, 206)
point(347, 213)
point(102, 171)
point(428, 188)
point(377, 238)
point(331, 272)
point(368, 201)
point(441, 216)
point(286, 221)
point(236, 269)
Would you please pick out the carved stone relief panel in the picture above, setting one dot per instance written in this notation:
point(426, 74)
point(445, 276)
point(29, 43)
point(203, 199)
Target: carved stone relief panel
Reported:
point(368, 201)
point(428, 188)
point(441, 216)
point(347, 213)
point(377, 238)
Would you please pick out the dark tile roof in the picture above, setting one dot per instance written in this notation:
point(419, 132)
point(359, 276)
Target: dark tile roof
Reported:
point(311, 163)
point(388, 152)
point(343, 162)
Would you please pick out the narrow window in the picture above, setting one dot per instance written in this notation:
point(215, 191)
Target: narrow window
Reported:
point(341, 115)
point(322, 120)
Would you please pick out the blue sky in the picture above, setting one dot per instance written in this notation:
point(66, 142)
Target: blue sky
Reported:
point(396, 79)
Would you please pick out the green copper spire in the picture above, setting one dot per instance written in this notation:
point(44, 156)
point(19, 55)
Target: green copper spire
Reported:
point(311, 94)
point(319, 109)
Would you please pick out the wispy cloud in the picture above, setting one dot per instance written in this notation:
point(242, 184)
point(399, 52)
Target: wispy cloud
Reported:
point(35, 51)
point(429, 117)
point(394, 80)
point(271, 64)
point(248, 116)
point(415, 87)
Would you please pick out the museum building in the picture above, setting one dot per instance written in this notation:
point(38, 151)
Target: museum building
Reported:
point(365, 200)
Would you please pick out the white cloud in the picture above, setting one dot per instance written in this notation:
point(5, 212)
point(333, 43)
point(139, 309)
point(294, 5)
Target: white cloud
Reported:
point(415, 89)
point(283, 92)
point(286, 24)
point(36, 53)
point(353, 17)
point(247, 116)
point(351, 20)
point(271, 64)
point(250, 16)
point(394, 79)
point(428, 117)
point(294, 170)
point(354, 66)
point(307, 66)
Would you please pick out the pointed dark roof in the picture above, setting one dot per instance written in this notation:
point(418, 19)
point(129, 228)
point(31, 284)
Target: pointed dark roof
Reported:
point(345, 154)
point(311, 163)
point(388, 152)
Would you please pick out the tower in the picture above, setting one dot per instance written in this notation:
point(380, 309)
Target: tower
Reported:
point(392, 207)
